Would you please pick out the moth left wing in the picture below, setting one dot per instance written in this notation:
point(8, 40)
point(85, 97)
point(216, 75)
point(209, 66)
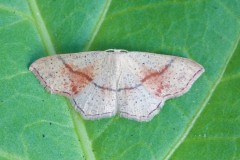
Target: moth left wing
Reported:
point(148, 80)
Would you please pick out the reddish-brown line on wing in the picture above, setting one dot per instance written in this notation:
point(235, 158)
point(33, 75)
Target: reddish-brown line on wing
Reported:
point(35, 71)
point(159, 105)
point(155, 74)
point(77, 72)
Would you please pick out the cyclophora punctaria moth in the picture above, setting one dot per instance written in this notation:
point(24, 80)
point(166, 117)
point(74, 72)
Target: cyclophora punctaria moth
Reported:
point(101, 84)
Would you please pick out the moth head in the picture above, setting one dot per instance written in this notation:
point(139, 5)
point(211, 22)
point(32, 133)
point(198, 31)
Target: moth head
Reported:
point(116, 50)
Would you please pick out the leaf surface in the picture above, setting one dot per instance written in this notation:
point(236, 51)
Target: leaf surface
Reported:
point(202, 124)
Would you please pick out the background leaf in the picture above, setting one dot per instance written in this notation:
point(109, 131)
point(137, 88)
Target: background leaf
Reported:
point(202, 124)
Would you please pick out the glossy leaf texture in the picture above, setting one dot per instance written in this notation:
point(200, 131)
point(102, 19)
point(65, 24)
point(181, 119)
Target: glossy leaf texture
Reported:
point(202, 124)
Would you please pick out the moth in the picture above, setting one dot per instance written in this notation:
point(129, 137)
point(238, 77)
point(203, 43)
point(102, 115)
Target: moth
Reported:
point(101, 84)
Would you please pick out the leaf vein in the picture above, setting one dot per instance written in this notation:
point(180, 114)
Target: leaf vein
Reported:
point(200, 110)
point(98, 24)
point(41, 27)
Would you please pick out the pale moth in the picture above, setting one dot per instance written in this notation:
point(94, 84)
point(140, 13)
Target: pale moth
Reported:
point(101, 84)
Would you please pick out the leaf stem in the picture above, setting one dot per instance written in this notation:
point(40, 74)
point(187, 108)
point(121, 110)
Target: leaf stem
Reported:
point(46, 39)
point(78, 123)
point(82, 134)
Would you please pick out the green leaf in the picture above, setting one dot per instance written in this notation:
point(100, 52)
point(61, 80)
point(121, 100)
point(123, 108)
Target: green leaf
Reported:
point(202, 124)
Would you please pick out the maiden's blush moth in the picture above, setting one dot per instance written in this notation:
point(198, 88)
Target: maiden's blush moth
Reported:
point(101, 84)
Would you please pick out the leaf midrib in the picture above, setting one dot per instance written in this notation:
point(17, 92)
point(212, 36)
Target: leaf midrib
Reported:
point(51, 50)
point(78, 123)
point(41, 27)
